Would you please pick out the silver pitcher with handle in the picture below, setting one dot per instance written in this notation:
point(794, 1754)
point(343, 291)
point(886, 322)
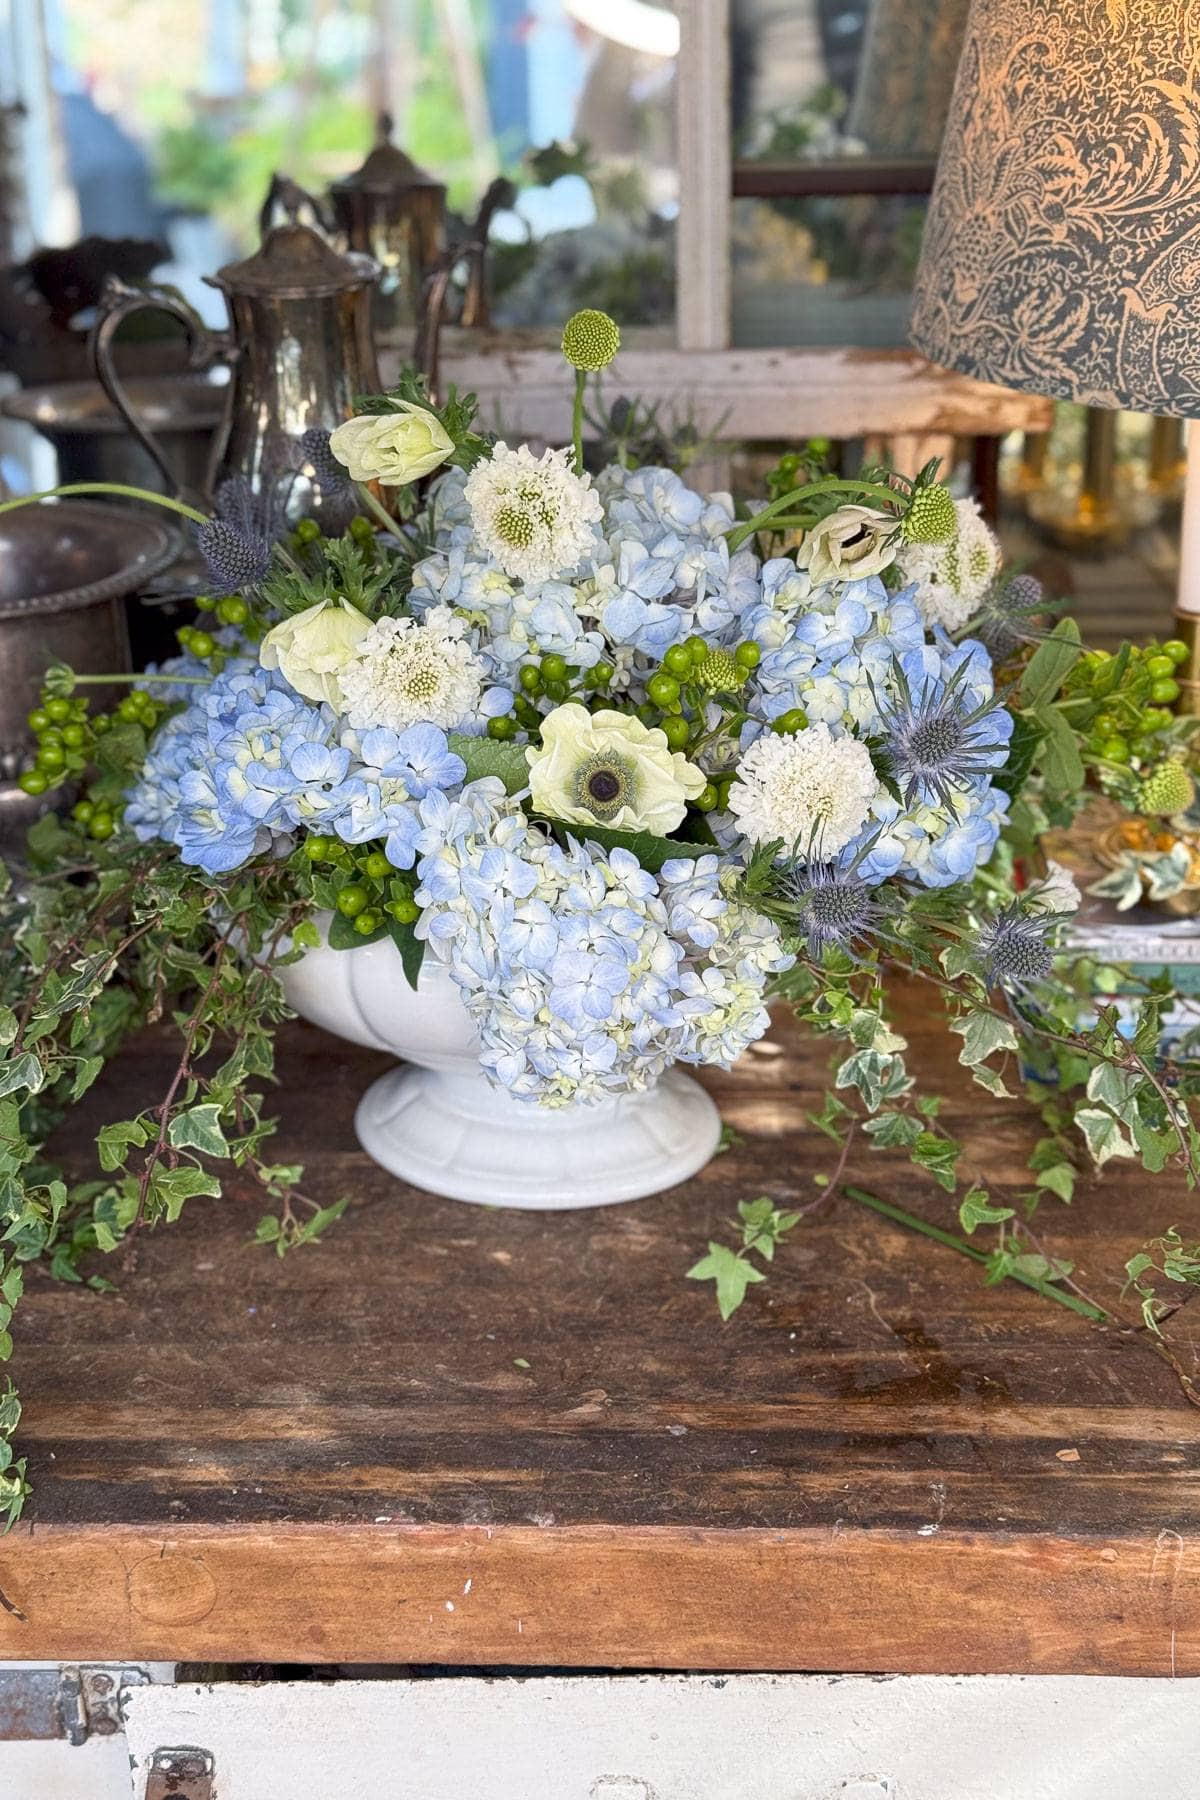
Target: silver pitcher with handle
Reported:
point(300, 350)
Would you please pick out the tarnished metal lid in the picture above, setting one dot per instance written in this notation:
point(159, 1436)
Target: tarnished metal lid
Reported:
point(294, 262)
point(387, 169)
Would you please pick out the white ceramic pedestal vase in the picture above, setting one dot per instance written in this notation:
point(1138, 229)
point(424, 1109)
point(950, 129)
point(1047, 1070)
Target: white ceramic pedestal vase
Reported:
point(439, 1124)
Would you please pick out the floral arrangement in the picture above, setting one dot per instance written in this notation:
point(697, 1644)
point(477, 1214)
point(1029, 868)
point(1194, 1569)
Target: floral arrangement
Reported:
point(632, 767)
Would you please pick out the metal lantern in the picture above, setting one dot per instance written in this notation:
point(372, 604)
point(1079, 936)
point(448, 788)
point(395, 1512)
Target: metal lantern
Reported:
point(393, 211)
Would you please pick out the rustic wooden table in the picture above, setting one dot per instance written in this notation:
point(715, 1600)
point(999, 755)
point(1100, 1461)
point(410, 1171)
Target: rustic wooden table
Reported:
point(464, 1437)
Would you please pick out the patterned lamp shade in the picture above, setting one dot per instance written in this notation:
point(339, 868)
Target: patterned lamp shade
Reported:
point(1062, 247)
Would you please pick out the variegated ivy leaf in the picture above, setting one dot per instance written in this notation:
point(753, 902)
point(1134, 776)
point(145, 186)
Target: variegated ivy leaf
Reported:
point(1104, 1136)
point(983, 1034)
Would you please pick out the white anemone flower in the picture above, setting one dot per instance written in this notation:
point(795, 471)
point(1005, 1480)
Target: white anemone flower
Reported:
point(534, 515)
point(409, 673)
point(811, 790)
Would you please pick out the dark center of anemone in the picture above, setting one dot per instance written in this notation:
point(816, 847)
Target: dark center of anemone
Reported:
point(603, 784)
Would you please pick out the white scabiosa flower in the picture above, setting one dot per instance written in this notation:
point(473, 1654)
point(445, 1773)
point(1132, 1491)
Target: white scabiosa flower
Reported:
point(811, 790)
point(534, 515)
point(952, 577)
point(405, 673)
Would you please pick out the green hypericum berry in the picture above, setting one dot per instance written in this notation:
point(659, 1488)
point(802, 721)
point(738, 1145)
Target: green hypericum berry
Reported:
point(352, 900)
point(377, 866)
point(677, 731)
point(931, 518)
point(748, 655)
point(719, 673)
point(1167, 789)
point(405, 912)
point(590, 340)
point(663, 689)
point(554, 667)
point(530, 679)
point(366, 923)
point(678, 661)
point(793, 720)
point(709, 797)
point(307, 531)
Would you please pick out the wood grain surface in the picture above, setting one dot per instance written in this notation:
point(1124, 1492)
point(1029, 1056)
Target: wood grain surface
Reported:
point(472, 1437)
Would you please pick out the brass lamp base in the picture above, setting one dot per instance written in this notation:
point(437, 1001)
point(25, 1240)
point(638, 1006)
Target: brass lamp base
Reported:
point(1187, 629)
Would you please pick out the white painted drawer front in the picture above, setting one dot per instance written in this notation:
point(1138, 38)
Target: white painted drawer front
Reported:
point(649, 1737)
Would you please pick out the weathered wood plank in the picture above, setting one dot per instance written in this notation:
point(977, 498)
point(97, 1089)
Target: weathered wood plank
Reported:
point(242, 1459)
point(947, 1602)
point(752, 395)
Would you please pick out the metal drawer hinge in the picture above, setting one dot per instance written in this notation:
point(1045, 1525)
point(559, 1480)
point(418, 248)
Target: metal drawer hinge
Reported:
point(183, 1773)
point(74, 1701)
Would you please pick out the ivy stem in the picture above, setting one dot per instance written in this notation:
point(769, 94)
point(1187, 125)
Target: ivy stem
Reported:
point(828, 484)
point(577, 419)
point(108, 487)
point(951, 1242)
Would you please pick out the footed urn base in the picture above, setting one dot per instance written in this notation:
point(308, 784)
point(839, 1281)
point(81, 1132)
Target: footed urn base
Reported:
point(458, 1136)
point(442, 1126)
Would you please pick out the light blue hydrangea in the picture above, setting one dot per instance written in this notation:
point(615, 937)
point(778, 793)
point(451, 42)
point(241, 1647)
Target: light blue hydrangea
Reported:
point(585, 974)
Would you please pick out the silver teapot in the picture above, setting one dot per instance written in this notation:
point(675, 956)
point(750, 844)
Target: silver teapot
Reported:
point(300, 351)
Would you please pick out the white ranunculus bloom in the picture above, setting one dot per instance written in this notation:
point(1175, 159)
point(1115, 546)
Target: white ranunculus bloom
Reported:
point(311, 648)
point(607, 768)
point(393, 447)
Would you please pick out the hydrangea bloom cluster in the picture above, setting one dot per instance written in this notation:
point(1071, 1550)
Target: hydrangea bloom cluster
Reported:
point(247, 764)
point(585, 974)
point(632, 673)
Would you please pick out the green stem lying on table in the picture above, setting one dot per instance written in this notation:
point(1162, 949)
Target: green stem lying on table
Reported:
point(108, 487)
point(948, 1238)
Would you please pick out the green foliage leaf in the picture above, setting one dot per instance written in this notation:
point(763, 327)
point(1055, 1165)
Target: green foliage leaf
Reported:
point(21, 1074)
point(1050, 664)
point(732, 1274)
point(976, 1209)
point(983, 1034)
point(411, 948)
point(487, 756)
point(1105, 1139)
point(115, 1141)
point(1059, 758)
point(1022, 753)
point(1058, 1179)
point(199, 1128)
point(651, 851)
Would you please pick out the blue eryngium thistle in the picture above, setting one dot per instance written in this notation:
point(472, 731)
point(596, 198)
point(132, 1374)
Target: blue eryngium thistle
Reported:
point(830, 906)
point(338, 498)
point(237, 543)
point(936, 739)
point(1014, 947)
point(1005, 620)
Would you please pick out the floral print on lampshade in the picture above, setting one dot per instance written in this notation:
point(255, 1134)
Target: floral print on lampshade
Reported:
point(1062, 246)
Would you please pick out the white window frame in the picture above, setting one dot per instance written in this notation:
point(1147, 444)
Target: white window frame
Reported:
point(738, 394)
